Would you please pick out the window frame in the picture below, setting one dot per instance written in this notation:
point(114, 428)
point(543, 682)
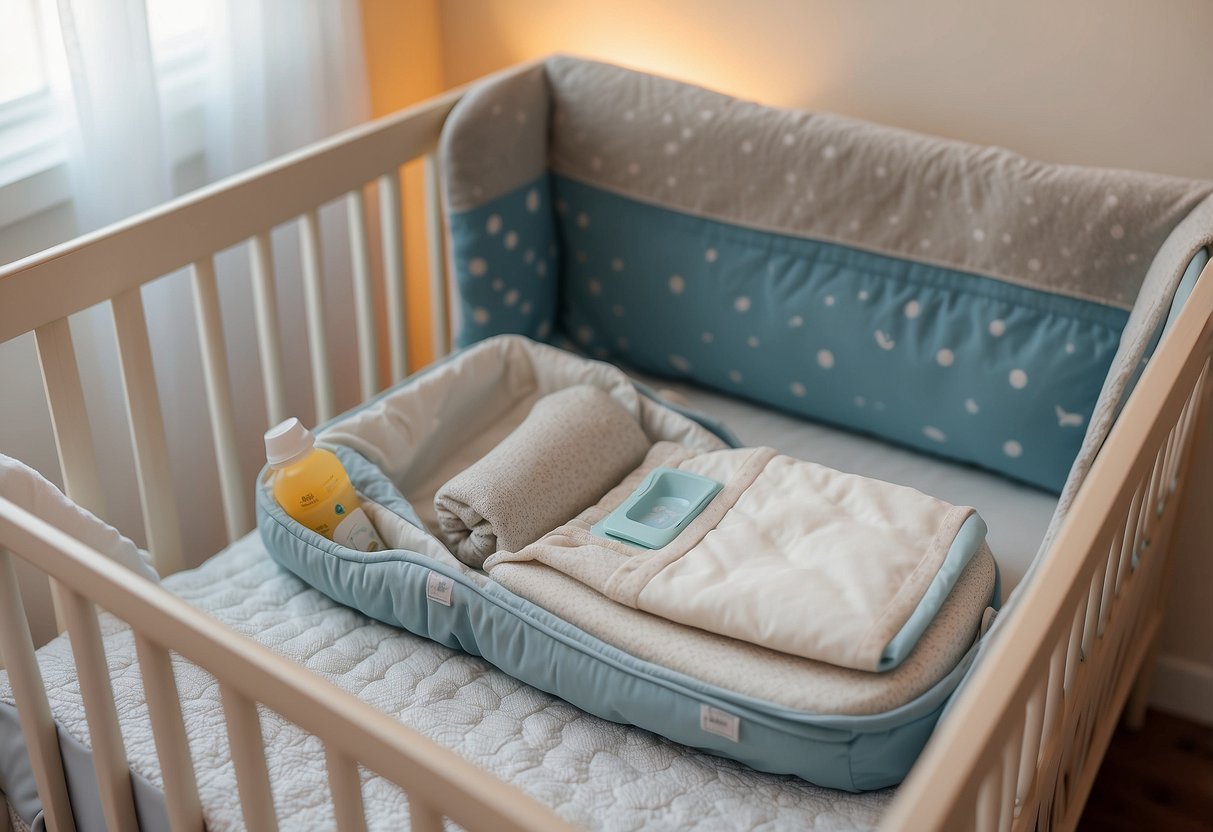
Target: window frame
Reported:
point(33, 140)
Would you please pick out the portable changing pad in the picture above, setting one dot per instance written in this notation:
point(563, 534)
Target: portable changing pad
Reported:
point(834, 726)
point(788, 554)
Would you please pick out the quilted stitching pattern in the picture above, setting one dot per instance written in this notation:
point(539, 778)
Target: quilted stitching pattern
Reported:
point(594, 773)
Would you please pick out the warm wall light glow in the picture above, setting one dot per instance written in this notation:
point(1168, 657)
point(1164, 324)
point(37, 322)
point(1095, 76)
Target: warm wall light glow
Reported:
point(404, 66)
point(680, 39)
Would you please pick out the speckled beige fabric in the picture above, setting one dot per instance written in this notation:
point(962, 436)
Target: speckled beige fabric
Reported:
point(13, 818)
point(802, 684)
point(573, 447)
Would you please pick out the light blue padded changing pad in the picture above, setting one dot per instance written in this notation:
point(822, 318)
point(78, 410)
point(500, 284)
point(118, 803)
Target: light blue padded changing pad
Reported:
point(419, 586)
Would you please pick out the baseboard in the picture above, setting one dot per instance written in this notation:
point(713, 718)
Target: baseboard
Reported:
point(1184, 688)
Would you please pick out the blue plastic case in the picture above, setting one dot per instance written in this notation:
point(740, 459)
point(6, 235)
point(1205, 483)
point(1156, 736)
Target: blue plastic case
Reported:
point(656, 512)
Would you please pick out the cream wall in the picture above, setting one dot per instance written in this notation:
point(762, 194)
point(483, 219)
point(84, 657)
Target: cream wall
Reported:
point(1104, 82)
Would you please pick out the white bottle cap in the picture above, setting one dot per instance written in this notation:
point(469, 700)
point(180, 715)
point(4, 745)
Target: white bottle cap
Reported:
point(286, 442)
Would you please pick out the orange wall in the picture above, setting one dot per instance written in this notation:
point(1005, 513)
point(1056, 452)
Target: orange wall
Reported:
point(402, 39)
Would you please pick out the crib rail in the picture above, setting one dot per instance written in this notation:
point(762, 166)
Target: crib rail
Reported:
point(111, 266)
point(1023, 743)
point(114, 263)
point(438, 782)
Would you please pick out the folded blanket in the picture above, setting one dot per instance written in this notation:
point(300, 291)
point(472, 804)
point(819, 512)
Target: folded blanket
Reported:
point(790, 555)
point(572, 448)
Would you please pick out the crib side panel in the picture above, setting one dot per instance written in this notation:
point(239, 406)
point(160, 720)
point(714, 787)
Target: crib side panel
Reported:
point(1074, 644)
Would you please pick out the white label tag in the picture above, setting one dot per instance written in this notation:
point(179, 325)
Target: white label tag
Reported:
point(721, 723)
point(438, 588)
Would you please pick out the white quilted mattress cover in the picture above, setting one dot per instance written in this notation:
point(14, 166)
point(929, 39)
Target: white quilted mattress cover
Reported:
point(594, 773)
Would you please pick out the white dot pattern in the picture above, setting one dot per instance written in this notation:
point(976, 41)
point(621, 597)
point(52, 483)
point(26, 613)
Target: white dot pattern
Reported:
point(905, 329)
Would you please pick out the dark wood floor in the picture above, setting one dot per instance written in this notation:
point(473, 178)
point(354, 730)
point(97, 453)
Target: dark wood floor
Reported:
point(1157, 779)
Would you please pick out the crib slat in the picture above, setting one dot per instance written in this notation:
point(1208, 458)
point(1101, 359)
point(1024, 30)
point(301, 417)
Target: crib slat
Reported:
point(1010, 775)
point(1181, 446)
point(1190, 418)
point(236, 509)
point(69, 418)
point(1150, 503)
point(155, 476)
point(1055, 692)
point(1074, 649)
point(313, 297)
point(1132, 524)
point(109, 752)
point(364, 296)
point(1111, 564)
point(988, 800)
point(1144, 520)
point(29, 693)
point(346, 788)
point(1090, 626)
point(269, 343)
point(1170, 449)
point(391, 218)
point(423, 817)
point(436, 244)
point(1029, 758)
point(1187, 422)
point(168, 730)
point(248, 756)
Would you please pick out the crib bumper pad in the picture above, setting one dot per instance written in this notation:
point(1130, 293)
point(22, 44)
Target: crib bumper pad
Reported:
point(832, 725)
point(790, 555)
point(961, 300)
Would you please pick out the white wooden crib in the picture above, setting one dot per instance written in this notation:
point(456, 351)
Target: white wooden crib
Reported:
point(1019, 750)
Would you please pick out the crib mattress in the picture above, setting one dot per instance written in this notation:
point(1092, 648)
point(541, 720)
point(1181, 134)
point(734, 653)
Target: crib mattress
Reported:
point(595, 773)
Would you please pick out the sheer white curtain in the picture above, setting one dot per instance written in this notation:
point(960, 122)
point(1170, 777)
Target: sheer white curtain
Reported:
point(275, 74)
point(284, 72)
point(160, 96)
point(115, 152)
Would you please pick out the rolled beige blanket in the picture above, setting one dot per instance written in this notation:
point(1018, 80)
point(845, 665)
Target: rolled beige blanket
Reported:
point(572, 448)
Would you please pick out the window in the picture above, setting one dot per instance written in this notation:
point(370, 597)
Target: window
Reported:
point(29, 131)
point(34, 79)
point(22, 69)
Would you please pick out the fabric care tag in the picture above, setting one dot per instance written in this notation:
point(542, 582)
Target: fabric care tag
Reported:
point(721, 723)
point(438, 588)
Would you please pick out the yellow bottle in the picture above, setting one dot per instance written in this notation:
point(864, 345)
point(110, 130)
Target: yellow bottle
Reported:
point(313, 487)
